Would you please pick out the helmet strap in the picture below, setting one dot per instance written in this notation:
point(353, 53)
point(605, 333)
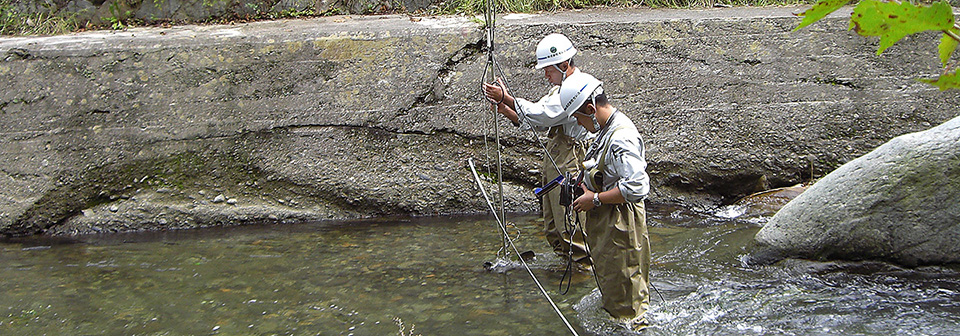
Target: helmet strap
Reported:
point(562, 72)
point(596, 123)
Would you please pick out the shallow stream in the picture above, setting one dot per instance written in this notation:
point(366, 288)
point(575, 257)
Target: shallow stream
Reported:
point(427, 277)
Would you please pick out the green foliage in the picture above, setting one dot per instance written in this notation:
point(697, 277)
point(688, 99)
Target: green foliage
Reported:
point(950, 80)
point(116, 19)
point(893, 20)
point(819, 11)
point(502, 6)
point(711, 3)
point(290, 13)
point(948, 43)
point(211, 3)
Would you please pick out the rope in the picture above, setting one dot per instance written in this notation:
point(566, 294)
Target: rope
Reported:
point(533, 130)
point(492, 68)
point(545, 151)
point(503, 228)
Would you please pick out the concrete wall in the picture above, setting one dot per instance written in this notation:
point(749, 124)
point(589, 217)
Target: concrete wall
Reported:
point(368, 116)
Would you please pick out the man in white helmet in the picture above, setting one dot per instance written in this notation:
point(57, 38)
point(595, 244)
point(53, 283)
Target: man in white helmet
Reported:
point(567, 139)
point(615, 184)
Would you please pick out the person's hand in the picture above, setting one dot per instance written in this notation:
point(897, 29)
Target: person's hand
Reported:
point(585, 201)
point(495, 92)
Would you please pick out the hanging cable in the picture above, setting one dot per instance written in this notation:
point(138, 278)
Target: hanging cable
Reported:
point(491, 72)
point(586, 245)
point(503, 228)
point(571, 231)
point(525, 122)
point(492, 68)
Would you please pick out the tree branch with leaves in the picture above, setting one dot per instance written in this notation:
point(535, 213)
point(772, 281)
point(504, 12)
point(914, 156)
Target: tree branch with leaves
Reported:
point(892, 21)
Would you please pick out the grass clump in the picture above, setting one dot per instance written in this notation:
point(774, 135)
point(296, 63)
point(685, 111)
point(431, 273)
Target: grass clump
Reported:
point(13, 21)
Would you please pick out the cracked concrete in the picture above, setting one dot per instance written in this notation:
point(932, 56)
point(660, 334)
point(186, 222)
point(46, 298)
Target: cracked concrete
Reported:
point(340, 117)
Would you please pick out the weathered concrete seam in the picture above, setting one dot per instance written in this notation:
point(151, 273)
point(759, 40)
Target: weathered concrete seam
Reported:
point(451, 63)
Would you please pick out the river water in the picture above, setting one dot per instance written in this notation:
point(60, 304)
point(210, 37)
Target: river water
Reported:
point(427, 277)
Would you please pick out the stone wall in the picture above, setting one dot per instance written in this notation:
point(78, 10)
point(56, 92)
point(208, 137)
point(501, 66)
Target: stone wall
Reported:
point(372, 116)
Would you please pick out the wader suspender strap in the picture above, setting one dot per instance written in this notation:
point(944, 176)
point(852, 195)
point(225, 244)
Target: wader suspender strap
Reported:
point(554, 90)
point(602, 157)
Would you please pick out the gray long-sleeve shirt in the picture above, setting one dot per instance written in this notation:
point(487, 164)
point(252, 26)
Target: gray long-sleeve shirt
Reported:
point(624, 163)
point(547, 113)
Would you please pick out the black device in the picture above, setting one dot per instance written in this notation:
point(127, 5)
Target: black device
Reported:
point(570, 188)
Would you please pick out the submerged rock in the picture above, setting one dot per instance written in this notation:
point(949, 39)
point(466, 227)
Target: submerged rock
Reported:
point(761, 206)
point(898, 203)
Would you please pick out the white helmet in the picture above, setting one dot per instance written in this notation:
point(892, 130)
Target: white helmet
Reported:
point(554, 49)
point(577, 89)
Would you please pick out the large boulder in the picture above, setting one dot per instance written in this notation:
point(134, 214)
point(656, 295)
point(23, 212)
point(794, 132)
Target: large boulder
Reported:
point(899, 203)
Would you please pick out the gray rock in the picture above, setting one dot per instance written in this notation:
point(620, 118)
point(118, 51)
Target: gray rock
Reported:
point(898, 203)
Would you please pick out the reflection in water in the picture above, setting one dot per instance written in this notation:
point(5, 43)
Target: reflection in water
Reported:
point(370, 277)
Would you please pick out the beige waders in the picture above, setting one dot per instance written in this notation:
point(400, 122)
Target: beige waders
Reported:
point(568, 155)
point(620, 246)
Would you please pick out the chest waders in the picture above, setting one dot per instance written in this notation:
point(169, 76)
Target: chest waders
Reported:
point(619, 244)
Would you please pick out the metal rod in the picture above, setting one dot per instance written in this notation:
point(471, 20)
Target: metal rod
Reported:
point(503, 228)
point(496, 127)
